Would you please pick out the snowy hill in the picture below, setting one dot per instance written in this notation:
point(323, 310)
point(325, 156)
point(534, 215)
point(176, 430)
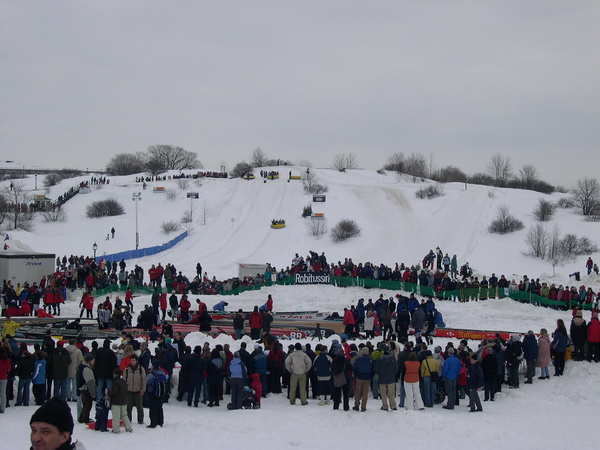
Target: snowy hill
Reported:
point(231, 223)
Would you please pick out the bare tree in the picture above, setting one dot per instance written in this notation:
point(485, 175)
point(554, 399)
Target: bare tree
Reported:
point(395, 163)
point(586, 195)
point(170, 157)
point(554, 253)
point(544, 210)
point(416, 165)
point(344, 229)
point(528, 176)
point(537, 241)
point(126, 164)
point(258, 159)
point(4, 208)
point(500, 169)
point(17, 200)
point(505, 222)
point(303, 163)
point(183, 183)
point(450, 174)
point(316, 227)
point(342, 162)
point(311, 186)
point(241, 169)
point(205, 211)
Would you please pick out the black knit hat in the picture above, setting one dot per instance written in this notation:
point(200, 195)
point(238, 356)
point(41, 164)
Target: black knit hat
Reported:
point(55, 412)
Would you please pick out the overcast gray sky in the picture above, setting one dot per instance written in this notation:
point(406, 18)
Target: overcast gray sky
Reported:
point(81, 81)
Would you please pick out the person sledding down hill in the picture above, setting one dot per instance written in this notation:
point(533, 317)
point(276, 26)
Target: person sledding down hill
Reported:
point(277, 223)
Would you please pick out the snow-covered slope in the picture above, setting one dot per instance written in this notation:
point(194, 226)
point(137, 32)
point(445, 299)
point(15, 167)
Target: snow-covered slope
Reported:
point(231, 223)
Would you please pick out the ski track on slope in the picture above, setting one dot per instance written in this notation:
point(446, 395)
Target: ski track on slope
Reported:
point(252, 209)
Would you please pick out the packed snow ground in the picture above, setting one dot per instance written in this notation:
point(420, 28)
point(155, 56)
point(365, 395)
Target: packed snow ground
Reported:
point(551, 414)
point(231, 226)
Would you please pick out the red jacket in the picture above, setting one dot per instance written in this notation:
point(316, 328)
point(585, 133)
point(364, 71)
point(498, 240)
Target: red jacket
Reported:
point(348, 318)
point(255, 320)
point(25, 309)
point(41, 314)
point(185, 305)
point(5, 367)
point(87, 301)
point(593, 331)
point(49, 297)
point(162, 300)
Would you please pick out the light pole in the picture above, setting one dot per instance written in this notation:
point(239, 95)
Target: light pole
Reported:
point(95, 247)
point(136, 197)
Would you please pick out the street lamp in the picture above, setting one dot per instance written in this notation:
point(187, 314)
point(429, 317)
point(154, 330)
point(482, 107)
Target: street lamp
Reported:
point(95, 247)
point(136, 197)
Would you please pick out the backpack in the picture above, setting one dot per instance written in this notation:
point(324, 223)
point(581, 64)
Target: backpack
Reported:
point(79, 376)
point(161, 386)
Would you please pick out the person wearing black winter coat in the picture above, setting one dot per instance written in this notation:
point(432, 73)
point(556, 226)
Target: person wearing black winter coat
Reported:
point(530, 352)
point(195, 368)
point(474, 383)
point(489, 367)
point(340, 365)
point(513, 355)
point(24, 370)
point(578, 335)
point(402, 324)
point(106, 362)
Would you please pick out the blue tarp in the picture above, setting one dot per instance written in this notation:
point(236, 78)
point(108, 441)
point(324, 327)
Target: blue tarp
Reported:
point(141, 252)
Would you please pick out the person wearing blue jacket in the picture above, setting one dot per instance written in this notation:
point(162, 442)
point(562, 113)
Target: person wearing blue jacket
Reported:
point(559, 347)
point(39, 378)
point(260, 364)
point(363, 372)
point(237, 376)
point(220, 306)
point(530, 352)
point(450, 372)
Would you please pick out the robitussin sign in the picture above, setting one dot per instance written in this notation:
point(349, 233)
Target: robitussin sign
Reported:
point(312, 278)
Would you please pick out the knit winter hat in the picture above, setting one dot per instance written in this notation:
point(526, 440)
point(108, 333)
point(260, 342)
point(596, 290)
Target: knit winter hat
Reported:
point(55, 412)
point(88, 357)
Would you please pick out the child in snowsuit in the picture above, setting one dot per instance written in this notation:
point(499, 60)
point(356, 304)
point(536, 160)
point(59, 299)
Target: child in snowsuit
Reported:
point(257, 386)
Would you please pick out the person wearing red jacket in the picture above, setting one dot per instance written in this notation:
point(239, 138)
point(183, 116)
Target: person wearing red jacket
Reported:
point(593, 338)
point(152, 274)
point(5, 368)
point(184, 307)
point(128, 297)
point(87, 304)
point(89, 281)
point(160, 270)
point(275, 360)
point(255, 322)
point(348, 322)
point(25, 309)
point(48, 300)
point(162, 303)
